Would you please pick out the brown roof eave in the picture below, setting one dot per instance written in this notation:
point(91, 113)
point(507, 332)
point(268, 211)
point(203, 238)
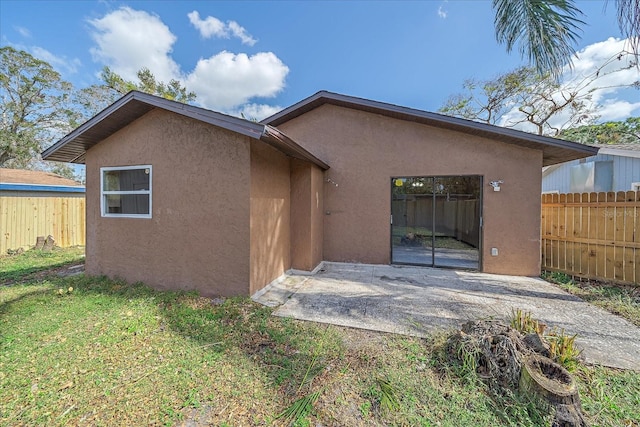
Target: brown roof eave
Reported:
point(67, 149)
point(283, 143)
point(130, 107)
point(554, 150)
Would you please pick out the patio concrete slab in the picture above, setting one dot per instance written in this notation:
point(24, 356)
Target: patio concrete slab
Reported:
point(419, 300)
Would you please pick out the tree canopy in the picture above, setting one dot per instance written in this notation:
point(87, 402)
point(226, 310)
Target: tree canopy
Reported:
point(525, 99)
point(38, 107)
point(35, 107)
point(621, 132)
point(147, 83)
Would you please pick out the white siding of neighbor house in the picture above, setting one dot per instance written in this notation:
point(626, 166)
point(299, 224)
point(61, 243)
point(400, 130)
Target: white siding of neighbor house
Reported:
point(626, 170)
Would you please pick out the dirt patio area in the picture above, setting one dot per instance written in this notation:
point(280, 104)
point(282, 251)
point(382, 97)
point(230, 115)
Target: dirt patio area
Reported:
point(419, 300)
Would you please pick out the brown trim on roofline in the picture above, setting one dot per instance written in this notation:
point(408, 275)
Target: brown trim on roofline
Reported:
point(282, 142)
point(134, 105)
point(558, 150)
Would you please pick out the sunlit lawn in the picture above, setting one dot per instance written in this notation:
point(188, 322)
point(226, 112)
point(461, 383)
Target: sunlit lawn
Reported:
point(94, 351)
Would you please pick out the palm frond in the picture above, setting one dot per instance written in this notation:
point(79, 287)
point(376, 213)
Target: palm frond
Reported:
point(545, 30)
point(388, 395)
point(628, 12)
point(300, 408)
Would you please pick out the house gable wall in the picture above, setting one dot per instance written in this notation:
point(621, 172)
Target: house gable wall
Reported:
point(198, 236)
point(365, 150)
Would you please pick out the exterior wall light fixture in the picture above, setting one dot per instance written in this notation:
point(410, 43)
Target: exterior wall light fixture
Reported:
point(496, 184)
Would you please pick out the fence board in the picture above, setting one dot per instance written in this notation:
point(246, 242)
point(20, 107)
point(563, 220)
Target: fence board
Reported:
point(592, 235)
point(577, 251)
point(23, 218)
point(569, 234)
point(584, 233)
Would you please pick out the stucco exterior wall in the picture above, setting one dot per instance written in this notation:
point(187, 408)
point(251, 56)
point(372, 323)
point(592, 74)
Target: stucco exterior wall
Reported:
point(317, 215)
point(270, 215)
point(198, 237)
point(365, 150)
point(306, 215)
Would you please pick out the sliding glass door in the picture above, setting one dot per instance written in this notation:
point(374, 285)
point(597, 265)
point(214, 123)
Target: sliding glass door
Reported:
point(436, 221)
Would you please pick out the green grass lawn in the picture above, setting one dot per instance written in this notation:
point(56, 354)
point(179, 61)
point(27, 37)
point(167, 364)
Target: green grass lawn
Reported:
point(28, 265)
point(94, 351)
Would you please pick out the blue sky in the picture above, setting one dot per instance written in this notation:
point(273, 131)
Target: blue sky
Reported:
point(258, 57)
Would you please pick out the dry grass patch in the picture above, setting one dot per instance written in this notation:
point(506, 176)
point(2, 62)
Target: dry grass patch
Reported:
point(622, 300)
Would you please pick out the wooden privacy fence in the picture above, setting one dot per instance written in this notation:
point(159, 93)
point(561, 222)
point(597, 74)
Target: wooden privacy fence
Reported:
point(592, 235)
point(24, 218)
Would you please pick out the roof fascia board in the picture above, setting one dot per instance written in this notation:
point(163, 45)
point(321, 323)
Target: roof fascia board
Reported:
point(244, 127)
point(438, 119)
point(250, 129)
point(88, 124)
point(619, 152)
point(274, 137)
point(300, 105)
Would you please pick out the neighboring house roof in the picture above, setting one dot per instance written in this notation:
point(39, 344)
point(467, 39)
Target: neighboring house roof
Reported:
point(622, 150)
point(28, 180)
point(554, 150)
point(73, 147)
point(23, 176)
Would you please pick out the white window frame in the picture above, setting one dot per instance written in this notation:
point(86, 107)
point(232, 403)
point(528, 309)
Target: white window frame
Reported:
point(104, 193)
point(635, 186)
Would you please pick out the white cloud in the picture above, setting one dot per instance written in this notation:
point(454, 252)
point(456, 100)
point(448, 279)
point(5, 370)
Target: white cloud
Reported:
point(213, 27)
point(618, 110)
point(442, 13)
point(227, 80)
point(208, 27)
point(241, 33)
point(24, 32)
point(615, 73)
point(607, 56)
point(128, 40)
point(609, 92)
point(61, 63)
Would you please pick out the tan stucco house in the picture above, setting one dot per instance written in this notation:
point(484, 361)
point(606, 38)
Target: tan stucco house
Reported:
point(182, 197)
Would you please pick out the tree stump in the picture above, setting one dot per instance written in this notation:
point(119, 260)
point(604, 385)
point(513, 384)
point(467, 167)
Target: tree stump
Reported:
point(552, 384)
point(39, 242)
point(49, 243)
